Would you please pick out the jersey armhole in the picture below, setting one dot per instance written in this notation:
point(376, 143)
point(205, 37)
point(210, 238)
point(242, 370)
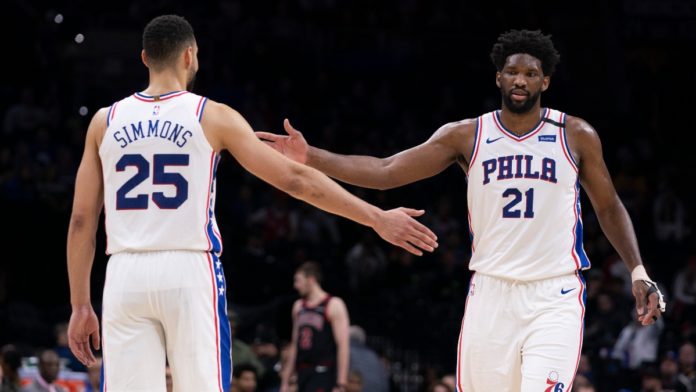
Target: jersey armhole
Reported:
point(477, 141)
point(200, 108)
point(112, 112)
point(564, 143)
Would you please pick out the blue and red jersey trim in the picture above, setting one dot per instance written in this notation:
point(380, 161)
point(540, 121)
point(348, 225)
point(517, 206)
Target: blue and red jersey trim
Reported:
point(512, 135)
point(200, 108)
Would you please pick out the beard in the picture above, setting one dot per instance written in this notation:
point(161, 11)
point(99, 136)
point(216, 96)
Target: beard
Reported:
point(520, 107)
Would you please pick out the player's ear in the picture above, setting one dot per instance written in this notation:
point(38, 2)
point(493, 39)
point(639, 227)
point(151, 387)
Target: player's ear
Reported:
point(497, 79)
point(545, 83)
point(143, 57)
point(188, 56)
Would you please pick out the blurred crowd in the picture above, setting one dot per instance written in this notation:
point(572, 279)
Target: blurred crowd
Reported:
point(364, 77)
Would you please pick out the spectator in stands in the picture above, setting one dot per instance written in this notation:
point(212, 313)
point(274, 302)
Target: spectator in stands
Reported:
point(650, 380)
point(582, 384)
point(687, 366)
point(242, 353)
point(266, 350)
point(585, 368)
point(49, 367)
point(450, 380)
point(244, 378)
point(685, 292)
point(637, 344)
point(439, 387)
point(10, 361)
point(669, 372)
point(365, 361)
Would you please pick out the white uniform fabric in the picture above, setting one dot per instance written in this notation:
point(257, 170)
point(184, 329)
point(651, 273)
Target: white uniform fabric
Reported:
point(164, 296)
point(521, 336)
point(522, 329)
point(524, 204)
point(159, 175)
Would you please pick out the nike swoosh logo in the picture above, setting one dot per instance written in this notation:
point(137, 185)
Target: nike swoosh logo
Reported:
point(489, 141)
point(563, 292)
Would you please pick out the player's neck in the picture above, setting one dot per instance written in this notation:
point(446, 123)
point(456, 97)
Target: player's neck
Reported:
point(315, 296)
point(165, 82)
point(521, 123)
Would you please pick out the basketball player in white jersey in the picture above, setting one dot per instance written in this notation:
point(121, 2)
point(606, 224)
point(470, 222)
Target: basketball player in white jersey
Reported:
point(150, 162)
point(522, 328)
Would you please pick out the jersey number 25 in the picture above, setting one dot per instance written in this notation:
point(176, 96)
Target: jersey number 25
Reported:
point(159, 177)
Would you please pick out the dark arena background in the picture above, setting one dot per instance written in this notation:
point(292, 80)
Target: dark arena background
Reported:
point(361, 77)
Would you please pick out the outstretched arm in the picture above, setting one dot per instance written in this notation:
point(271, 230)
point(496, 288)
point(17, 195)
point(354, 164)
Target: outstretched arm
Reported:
point(612, 215)
point(443, 148)
point(87, 205)
point(225, 128)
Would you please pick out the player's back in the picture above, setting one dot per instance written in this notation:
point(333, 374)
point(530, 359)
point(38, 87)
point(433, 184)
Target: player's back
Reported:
point(159, 175)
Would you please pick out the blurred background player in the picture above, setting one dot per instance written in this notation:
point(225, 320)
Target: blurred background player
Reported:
point(320, 339)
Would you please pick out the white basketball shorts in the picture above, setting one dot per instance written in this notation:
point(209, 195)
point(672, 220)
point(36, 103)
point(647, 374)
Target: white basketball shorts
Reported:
point(521, 336)
point(161, 306)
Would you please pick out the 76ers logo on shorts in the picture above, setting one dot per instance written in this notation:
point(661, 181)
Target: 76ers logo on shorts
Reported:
point(553, 384)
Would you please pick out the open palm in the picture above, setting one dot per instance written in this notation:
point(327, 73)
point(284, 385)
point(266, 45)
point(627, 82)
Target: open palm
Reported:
point(293, 145)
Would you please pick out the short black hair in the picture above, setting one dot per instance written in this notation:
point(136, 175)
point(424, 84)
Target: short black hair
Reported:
point(311, 268)
point(164, 37)
point(243, 367)
point(533, 43)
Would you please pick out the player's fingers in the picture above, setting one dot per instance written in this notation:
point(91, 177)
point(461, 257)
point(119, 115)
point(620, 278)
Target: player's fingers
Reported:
point(79, 351)
point(421, 228)
point(423, 239)
point(89, 355)
point(410, 248)
point(411, 211)
point(649, 317)
point(640, 303)
point(420, 244)
point(267, 136)
point(289, 128)
point(96, 340)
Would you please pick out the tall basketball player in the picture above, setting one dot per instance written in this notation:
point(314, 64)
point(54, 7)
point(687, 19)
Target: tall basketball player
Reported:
point(150, 162)
point(319, 354)
point(522, 327)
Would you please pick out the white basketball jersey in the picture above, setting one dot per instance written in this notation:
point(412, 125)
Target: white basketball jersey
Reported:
point(524, 201)
point(159, 175)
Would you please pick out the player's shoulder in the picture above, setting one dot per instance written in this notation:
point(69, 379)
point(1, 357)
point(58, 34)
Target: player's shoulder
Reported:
point(216, 110)
point(467, 125)
point(453, 132)
point(576, 125)
point(336, 303)
point(578, 128)
point(297, 305)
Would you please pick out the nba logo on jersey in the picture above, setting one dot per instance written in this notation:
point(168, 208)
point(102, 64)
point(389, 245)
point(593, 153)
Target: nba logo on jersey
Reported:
point(553, 384)
point(155, 110)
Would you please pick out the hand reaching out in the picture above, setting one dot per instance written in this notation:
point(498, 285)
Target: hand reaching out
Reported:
point(398, 227)
point(293, 146)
